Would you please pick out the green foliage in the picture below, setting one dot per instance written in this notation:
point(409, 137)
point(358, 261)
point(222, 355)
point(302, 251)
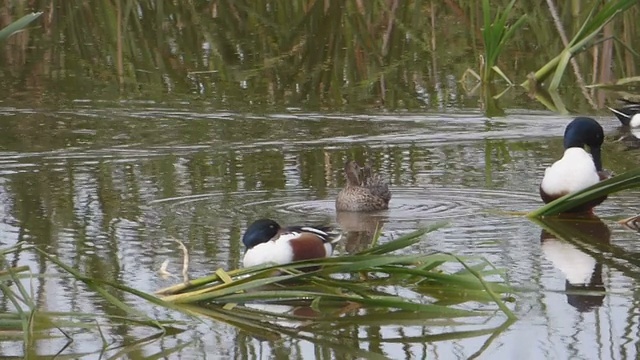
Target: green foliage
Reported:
point(339, 280)
point(18, 25)
point(393, 289)
point(495, 35)
point(580, 42)
point(27, 322)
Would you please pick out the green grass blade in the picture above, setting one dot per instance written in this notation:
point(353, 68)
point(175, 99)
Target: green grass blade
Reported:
point(18, 25)
point(93, 285)
point(403, 241)
point(560, 69)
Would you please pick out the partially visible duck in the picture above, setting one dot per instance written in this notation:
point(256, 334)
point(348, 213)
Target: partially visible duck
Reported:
point(266, 241)
point(577, 169)
point(628, 114)
point(364, 190)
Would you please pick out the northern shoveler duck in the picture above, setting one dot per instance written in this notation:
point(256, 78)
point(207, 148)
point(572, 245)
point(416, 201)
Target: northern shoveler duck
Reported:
point(267, 242)
point(364, 191)
point(577, 169)
point(628, 114)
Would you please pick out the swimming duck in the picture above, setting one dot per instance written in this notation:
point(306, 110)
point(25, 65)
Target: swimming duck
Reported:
point(364, 190)
point(577, 169)
point(266, 241)
point(628, 114)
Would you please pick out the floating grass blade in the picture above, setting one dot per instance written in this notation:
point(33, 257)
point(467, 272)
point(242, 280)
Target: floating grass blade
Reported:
point(338, 282)
point(99, 286)
point(624, 181)
point(402, 242)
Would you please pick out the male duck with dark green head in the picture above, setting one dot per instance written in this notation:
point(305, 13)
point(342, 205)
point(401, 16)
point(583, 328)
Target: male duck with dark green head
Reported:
point(577, 169)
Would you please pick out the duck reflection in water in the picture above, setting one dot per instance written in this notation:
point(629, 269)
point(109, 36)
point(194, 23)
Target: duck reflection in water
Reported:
point(562, 245)
point(359, 229)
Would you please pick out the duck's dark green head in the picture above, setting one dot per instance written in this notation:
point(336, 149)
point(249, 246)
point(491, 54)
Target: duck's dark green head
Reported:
point(585, 131)
point(260, 231)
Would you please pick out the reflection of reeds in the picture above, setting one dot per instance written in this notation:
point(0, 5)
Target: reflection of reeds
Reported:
point(27, 322)
point(330, 301)
point(317, 53)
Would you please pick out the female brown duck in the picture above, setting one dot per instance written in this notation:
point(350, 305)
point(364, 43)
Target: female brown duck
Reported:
point(364, 191)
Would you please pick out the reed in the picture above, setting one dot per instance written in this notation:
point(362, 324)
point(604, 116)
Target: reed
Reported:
point(495, 35)
point(582, 40)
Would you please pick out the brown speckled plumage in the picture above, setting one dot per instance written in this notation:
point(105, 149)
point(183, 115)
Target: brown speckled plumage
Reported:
point(364, 191)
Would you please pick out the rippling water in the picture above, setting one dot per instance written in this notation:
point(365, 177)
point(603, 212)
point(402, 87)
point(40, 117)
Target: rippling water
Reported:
point(107, 189)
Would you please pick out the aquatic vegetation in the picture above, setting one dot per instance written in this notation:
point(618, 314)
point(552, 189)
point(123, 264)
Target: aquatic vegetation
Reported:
point(359, 279)
point(26, 321)
point(372, 287)
point(388, 54)
point(18, 25)
point(495, 35)
point(581, 41)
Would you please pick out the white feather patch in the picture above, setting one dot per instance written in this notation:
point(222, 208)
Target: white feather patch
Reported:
point(618, 112)
point(635, 120)
point(575, 171)
point(576, 266)
point(315, 231)
point(278, 251)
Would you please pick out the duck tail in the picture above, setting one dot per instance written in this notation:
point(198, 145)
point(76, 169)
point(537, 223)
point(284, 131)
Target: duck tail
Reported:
point(624, 117)
point(630, 102)
point(334, 237)
point(618, 113)
point(327, 233)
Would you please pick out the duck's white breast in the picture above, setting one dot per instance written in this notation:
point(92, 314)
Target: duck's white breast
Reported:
point(635, 120)
point(575, 171)
point(278, 251)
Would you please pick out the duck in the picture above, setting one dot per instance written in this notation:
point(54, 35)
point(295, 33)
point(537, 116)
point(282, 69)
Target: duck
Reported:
point(267, 242)
point(628, 114)
point(577, 169)
point(364, 191)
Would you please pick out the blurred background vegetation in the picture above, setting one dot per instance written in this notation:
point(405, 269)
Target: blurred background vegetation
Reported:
point(318, 54)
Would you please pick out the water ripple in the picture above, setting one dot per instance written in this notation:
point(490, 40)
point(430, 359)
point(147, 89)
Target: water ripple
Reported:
point(428, 203)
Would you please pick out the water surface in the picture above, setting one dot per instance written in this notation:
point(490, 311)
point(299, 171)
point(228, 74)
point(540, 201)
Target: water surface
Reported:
point(108, 187)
